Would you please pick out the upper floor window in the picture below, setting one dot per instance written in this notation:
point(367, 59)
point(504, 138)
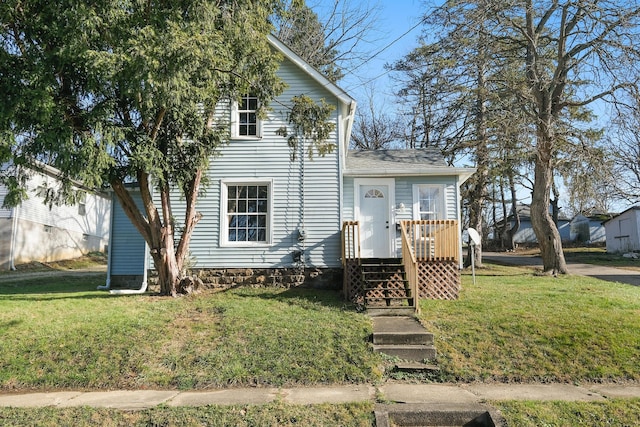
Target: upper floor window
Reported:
point(428, 201)
point(246, 119)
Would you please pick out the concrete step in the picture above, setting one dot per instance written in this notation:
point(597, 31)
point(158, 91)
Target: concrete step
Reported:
point(403, 338)
point(391, 311)
point(416, 353)
point(416, 367)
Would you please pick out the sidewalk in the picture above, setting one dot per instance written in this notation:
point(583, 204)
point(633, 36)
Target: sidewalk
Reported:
point(432, 394)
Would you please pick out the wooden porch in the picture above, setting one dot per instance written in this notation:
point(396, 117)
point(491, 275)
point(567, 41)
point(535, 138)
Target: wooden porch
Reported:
point(429, 267)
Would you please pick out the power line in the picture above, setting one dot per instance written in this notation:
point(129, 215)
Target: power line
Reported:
point(396, 40)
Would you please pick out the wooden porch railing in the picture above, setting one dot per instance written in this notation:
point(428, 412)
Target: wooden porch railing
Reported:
point(427, 240)
point(410, 266)
point(432, 240)
point(350, 241)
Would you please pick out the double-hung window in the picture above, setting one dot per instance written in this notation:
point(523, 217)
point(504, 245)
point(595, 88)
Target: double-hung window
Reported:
point(428, 201)
point(246, 122)
point(246, 210)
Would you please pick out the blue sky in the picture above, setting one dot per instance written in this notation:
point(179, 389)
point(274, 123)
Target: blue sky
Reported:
point(395, 18)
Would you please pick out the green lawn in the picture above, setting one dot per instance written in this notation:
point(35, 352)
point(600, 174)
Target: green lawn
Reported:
point(274, 414)
point(68, 335)
point(511, 326)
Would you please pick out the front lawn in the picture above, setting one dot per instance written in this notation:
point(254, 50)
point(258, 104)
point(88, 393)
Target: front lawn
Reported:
point(513, 326)
point(67, 335)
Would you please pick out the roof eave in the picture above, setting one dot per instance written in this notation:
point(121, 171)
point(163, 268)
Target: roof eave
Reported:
point(462, 173)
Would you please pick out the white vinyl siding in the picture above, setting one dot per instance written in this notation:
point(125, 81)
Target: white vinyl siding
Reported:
point(404, 198)
point(4, 213)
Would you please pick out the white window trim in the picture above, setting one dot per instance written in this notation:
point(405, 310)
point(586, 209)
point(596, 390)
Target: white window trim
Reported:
point(224, 226)
point(442, 214)
point(235, 124)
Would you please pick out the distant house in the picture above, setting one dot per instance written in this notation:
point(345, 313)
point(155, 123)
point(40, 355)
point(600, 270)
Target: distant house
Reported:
point(588, 229)
point(33, 231)
point(623, 231)
point(525, 233)
point(267, 219)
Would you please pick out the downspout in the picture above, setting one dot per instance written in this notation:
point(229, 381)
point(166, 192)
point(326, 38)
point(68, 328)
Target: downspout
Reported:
point(459, 215)
point(302, 232)
point(107, 284)
point(14, 234)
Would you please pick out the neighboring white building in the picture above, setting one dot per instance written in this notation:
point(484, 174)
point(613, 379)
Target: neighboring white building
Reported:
point(33, 231)
point(623, 231)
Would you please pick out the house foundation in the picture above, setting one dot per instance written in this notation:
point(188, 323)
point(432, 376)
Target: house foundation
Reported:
point(316, 278)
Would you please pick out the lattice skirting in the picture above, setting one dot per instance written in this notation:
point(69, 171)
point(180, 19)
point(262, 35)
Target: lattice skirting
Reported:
point(352, 286)
point(438, 280)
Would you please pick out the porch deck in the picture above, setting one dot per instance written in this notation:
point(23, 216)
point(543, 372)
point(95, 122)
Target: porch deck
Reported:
point(429, 267)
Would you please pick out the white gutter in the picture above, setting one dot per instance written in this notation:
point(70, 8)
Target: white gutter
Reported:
point(143, 289)
point(14, 234)
point(107, 284)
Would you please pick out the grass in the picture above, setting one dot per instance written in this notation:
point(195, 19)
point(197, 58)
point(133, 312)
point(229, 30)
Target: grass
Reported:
point(616, 412)
point(511, 326)
point(514, 327)
point(274, 414)
point(67, 335)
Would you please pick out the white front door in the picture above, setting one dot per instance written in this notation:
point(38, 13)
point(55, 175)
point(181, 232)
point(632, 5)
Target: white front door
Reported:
point(374, 214)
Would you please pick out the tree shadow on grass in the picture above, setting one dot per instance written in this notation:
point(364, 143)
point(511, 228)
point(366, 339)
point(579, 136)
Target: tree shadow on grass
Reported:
point(59, 287)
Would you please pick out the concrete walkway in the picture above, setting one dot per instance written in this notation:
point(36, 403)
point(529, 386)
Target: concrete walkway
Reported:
point(611, 274)
point(432, 394)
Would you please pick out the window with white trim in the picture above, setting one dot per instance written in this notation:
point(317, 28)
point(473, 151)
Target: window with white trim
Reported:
point(246, 122)
point(428, 201)
point(246, 207)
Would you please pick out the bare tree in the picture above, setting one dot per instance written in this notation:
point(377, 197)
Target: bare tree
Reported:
point(373, 129)
point(625, 172)
point(575, 53)
point(331, 36)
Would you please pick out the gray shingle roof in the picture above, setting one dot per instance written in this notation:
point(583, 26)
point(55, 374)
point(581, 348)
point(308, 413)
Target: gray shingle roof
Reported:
point(394, 163)
point(395, 159)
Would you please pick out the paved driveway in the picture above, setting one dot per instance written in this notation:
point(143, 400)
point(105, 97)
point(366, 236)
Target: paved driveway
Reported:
point(602, 272)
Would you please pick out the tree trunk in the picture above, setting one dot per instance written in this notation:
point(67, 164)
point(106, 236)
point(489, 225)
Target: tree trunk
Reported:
point(158, 234)
point(511, 233)
point(545, 229)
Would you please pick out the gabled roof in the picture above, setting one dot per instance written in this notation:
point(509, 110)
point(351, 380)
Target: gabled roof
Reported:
point(410, 162)
point(347, 101)
point(632, 208)
point(312, 72)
